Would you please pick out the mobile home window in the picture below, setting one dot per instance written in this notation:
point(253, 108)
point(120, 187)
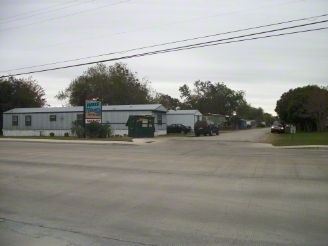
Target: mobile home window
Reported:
point(28, 120)
point(159, 119)
point(15, 120)
point(52, 117)
point(79, 117)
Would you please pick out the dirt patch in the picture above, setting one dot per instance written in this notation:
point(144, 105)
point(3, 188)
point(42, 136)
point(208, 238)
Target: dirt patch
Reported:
point(268, 138)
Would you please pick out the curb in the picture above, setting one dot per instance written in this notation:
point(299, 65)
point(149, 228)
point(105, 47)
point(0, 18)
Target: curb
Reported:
point(303, 147)
point(90, 142)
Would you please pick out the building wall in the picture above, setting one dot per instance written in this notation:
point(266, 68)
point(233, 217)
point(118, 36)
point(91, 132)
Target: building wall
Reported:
point(41, 121)
point(186, 119)
point(34, 133)
point(41, 124)
point(216, 119)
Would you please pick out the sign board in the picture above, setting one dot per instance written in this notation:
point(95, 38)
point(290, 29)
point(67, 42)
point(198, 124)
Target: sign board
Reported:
point(92, 111)
point(87, 121)
point(292, 129)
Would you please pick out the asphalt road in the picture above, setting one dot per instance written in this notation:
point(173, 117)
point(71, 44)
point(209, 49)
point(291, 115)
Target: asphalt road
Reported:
point(220, 190)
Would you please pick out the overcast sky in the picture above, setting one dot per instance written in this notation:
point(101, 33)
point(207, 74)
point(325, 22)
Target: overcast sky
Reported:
point(35, 32)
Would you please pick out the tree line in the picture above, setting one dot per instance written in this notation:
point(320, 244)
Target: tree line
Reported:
point(118, 85)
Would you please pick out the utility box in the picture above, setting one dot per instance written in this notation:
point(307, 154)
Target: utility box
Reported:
point(141, 126)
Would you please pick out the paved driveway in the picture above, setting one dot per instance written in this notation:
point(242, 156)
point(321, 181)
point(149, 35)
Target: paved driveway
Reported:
point(249, 135)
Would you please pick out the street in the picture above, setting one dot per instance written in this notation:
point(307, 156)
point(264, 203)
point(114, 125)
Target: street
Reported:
point(219, 190)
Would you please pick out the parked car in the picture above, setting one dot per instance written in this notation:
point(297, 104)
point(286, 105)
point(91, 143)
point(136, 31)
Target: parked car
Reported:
point(206, 127)
point(178, 128)
point(278, 127)
point(262, 124)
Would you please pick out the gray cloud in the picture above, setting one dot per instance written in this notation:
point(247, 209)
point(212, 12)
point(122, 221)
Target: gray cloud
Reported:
point(263, 68)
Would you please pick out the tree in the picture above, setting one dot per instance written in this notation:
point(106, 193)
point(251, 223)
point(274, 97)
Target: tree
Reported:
point(316, 106)
point(269, 118)
point(114, 85)
point(20, 93)
point(167, 101)
point(304, 106)
point(214, 98)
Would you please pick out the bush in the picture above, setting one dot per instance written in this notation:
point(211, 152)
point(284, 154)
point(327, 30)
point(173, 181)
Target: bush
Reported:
point(77, 128)
point(66, 134)
point(52, 134)
point(98, 130)
point(92, 130)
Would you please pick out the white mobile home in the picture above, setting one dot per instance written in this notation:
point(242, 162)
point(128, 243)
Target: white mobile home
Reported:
point(186, 117)
point(43, 121)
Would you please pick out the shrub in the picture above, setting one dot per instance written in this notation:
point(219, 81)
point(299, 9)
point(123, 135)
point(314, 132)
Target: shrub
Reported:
point(98, 130)
point(66, 134)
point(52, 134)
point(77, 128)
point(92, 130)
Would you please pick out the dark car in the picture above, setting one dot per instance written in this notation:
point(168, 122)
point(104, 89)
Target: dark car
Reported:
point(206, 127)
point(178, 128)
point(278, 127)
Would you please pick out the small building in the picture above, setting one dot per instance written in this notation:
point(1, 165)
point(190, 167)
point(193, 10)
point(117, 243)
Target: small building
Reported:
point(186, 117)
point(42, 121)
point(242, 124)
point(216, 118)
point(141, 126)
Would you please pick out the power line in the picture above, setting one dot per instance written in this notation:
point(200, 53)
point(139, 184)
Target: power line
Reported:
point(247, 35)
point(38, 10)
point(179, 41)
point(47, 12)
point(200, 45)
point(64, 16)
point(152, 27)
point(241, 40)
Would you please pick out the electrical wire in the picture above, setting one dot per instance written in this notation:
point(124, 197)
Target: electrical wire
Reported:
point(47, 12)
point(174, 42)
point(241, 40)
point(37, 10)
point(152, 27)
point(200, 45)
point(64, 16)
point(247, 35)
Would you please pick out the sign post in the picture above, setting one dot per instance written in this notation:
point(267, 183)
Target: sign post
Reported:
point(292, 131)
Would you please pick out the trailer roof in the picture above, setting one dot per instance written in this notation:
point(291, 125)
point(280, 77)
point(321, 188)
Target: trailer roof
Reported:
point(180, 112)
point(140, 107)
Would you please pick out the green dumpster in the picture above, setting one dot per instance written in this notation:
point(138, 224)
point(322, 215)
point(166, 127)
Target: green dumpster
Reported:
point(141, 126)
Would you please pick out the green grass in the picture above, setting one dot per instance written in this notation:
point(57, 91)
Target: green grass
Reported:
point(299, 138)
point(126, 139)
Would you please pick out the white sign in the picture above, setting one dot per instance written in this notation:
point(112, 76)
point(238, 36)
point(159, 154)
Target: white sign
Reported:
point(292, 129)
point(92, 120)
